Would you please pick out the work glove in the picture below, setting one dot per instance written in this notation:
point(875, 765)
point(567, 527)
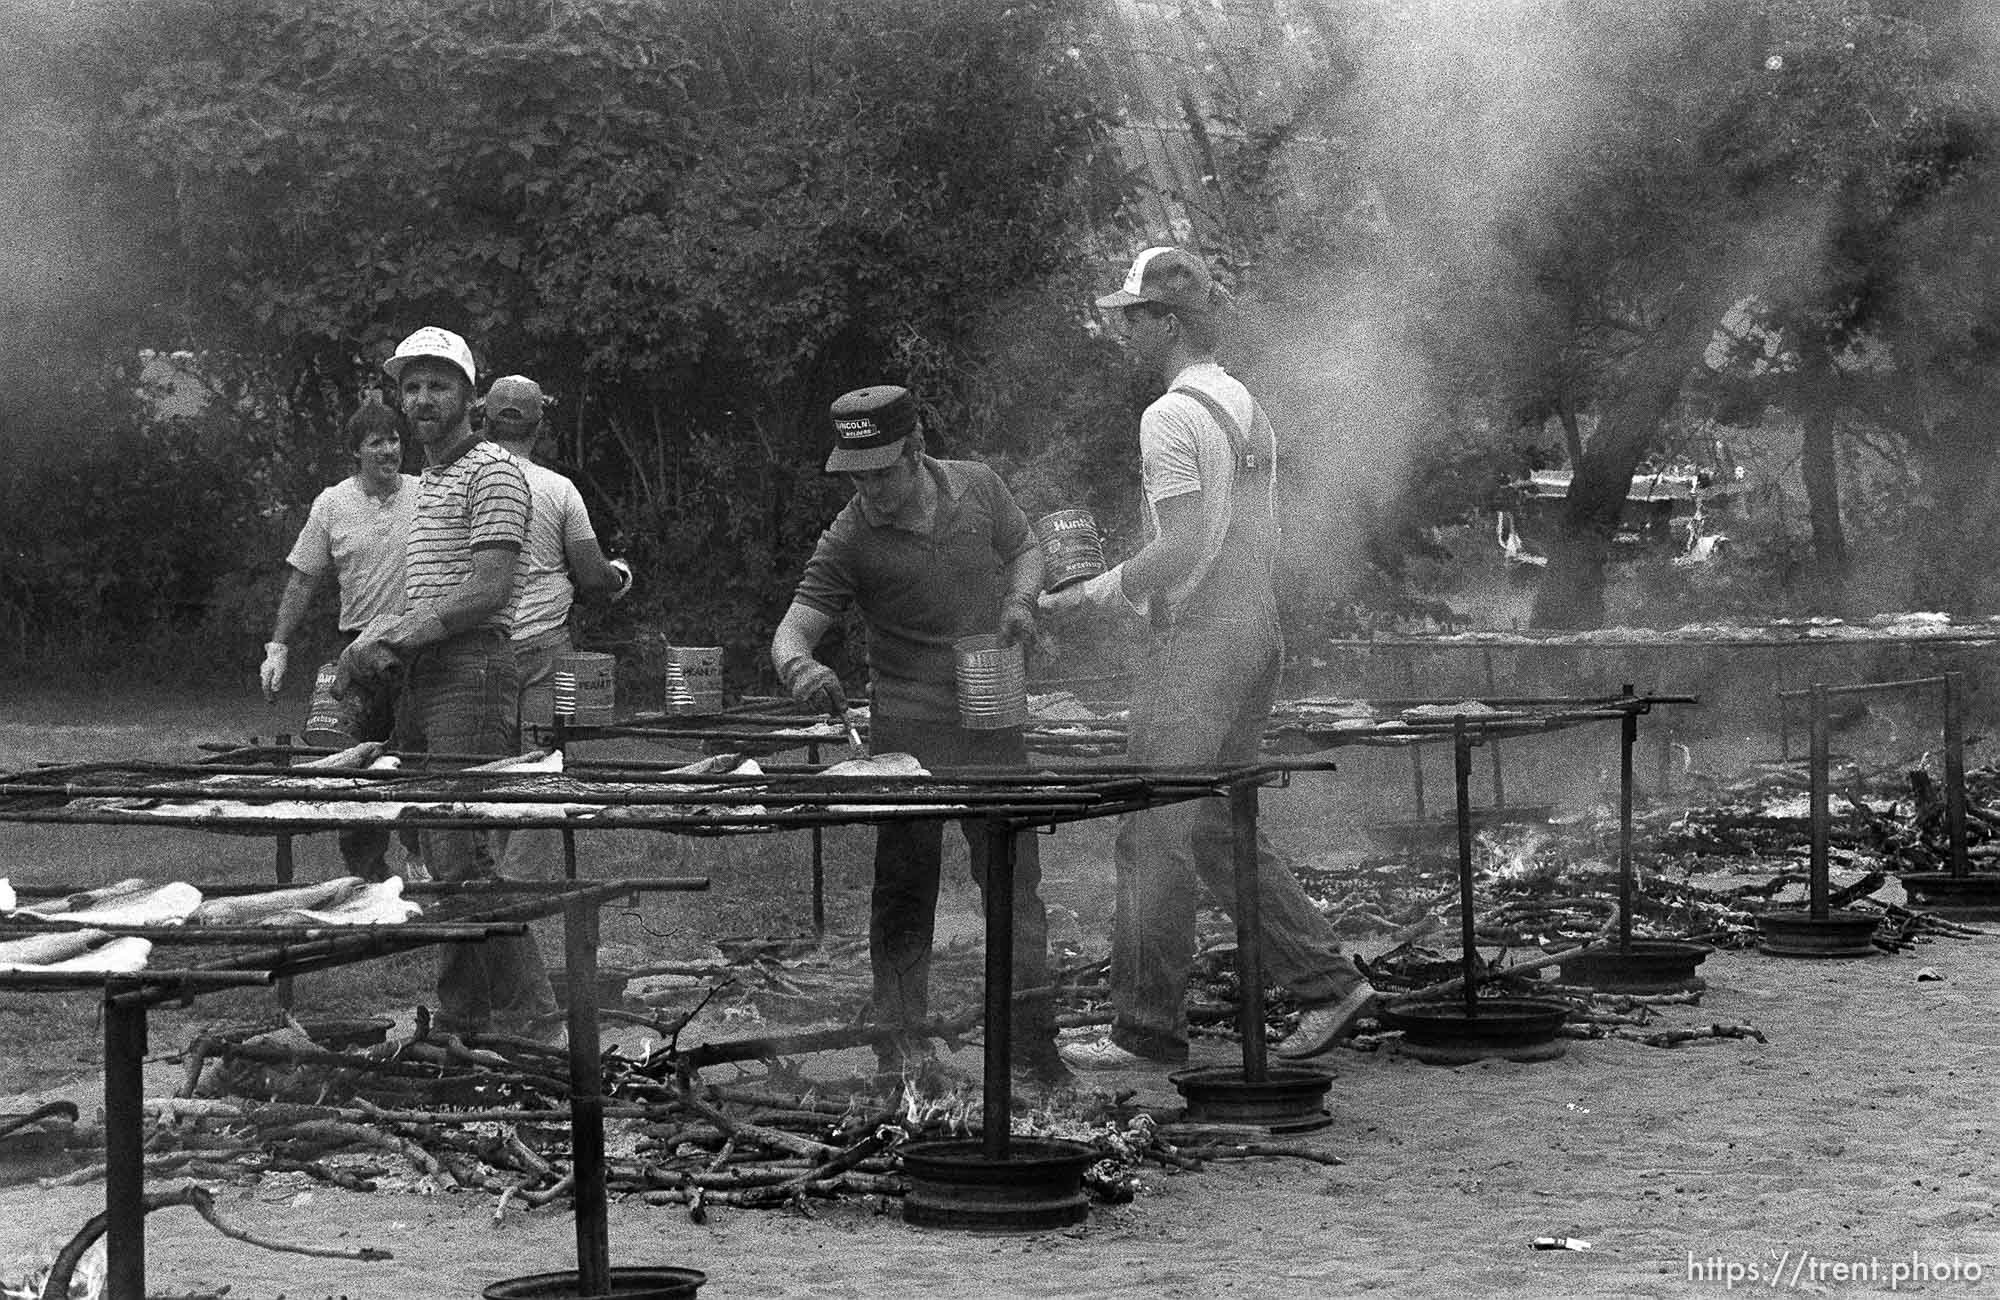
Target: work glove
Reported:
point(625, 588)
point(272, 673)
point(1105, 591)
point(366, 659)
point(815, 686)
point(1017, 622)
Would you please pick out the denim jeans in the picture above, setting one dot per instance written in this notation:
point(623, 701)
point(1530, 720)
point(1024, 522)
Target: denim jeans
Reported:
point(1203, 701)
point(535, 854)
point(462, 700)
point(902, 918)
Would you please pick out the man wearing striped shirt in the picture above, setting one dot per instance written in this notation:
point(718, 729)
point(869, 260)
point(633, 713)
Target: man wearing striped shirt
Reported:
point(465, 541)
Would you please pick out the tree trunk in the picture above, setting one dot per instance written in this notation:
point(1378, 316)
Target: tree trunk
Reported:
point(1572, 435)
point(1817, 466)
point(1571, 594)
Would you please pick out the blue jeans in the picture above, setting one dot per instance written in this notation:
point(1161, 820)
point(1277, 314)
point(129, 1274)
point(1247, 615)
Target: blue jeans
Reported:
point(902, 912)
point(535, 854)
point(1203, 701)
point(462, 700)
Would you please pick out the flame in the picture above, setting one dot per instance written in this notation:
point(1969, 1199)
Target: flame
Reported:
point(86, 1282)
point(1511, 852)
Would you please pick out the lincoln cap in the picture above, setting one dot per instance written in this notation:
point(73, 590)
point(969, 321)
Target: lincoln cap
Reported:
point(515, 399)
point(1172, 277)
point(869, 425)
point(430, 341)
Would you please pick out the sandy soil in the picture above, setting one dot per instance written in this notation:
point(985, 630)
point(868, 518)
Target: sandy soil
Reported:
point(1858, 1133)
point(1856, 1136)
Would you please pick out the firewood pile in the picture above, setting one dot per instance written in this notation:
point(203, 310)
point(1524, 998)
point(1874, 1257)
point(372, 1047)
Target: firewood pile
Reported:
point(687, 1145)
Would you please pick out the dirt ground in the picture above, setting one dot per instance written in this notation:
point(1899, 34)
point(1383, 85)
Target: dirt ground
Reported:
point(1848, 1154)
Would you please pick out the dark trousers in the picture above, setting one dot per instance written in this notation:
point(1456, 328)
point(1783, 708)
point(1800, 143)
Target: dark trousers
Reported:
point(902, 916)
point(364, 850)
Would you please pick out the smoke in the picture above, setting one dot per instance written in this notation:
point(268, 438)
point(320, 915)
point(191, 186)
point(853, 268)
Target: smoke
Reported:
point(65, 244)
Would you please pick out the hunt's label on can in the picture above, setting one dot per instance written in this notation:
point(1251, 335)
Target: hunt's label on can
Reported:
point(1072, 548)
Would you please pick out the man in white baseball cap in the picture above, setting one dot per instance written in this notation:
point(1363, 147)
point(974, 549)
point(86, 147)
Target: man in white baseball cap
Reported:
point(430, 341)
point(1208, 458)
point(466, 537)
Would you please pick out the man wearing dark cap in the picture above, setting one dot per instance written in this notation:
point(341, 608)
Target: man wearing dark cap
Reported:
point(928, 551)
point(452, 643)
point(1209, 471)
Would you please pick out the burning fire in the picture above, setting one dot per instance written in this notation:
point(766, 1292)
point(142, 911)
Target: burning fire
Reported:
point(1510, 853)
point(86, 1283)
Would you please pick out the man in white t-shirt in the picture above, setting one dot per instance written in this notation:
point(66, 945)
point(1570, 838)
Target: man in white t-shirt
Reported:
point(1204, 581)
point(560, 561)
point(356, 532)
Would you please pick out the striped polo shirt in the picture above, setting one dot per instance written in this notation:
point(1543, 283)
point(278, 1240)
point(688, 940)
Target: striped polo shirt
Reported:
point(480, 498)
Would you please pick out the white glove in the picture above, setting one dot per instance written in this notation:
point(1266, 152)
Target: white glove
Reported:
point(625, 588)
point(1105, 591)
point(272, 673)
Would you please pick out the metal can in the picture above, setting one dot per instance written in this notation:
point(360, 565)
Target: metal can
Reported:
point(992, 683)
point(694, 679)
point(1072, 548)
point(331, 722)
point(586, 688)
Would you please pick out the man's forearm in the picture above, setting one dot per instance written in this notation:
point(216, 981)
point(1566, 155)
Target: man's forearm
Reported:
point(799, 631)
point(468, 606)
point(1024, 577)
point(292, 605)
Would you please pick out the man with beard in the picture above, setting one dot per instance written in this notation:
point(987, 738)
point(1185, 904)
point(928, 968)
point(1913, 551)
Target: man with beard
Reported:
point(356, 531)
point(452, 644)
point(1209, 470)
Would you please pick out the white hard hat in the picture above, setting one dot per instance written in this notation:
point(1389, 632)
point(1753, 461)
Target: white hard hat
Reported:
point(430, 341)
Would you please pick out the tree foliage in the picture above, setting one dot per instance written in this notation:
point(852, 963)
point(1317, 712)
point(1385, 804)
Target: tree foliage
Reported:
point(695, 224)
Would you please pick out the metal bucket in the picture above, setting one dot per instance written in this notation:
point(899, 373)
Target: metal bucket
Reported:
point(586, 688)
point(330, 721)
point(1072, 548)
point(694, 679)
point(992, 684)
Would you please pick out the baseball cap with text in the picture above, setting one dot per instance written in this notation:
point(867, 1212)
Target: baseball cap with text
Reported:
point(1172, 277)
point(869, 425)
point(514, 399)
point(430, 341)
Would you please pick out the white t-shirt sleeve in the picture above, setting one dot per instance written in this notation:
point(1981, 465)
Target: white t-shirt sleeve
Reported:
point(312, 553)
point(1169, 450)
point(575, 519)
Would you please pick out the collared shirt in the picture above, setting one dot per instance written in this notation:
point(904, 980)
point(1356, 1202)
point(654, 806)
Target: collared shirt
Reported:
point(543, 590)
point(361, 539)
point(479, 498)
point(920, 589)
